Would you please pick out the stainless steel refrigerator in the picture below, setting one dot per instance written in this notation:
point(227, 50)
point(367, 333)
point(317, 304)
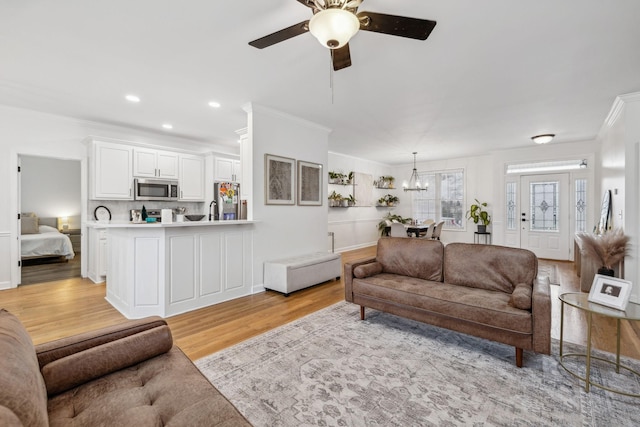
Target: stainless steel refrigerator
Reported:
point(226, 201)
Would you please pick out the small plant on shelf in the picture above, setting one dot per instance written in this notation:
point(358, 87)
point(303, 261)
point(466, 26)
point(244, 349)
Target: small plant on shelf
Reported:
point(350, 177)
point(351, 200)
point(388, 200)
point(385, 182)
point(335, 199)
point(336, 177)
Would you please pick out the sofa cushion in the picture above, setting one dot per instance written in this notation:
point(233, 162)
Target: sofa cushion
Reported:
point(420, 258)
point(475, 305)
point(167, 390)
point(83, 366)
point(23, 397)
point(490, 267)
point(367, 270)
point(521, 296)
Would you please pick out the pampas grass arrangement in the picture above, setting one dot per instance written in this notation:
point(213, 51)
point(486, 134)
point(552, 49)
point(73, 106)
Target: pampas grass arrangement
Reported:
point(608, 249)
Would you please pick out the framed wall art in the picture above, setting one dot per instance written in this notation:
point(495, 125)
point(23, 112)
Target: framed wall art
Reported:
point(309, 183)
point(610, 291)
point(279, 180)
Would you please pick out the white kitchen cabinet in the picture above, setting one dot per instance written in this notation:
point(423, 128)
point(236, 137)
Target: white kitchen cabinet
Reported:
point(149, 163)
point(112, 168)
point(97, 270)
point(227, 169)
point(191, 180)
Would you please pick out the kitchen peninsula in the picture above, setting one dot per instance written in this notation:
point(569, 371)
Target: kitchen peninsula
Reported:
point(167, 269)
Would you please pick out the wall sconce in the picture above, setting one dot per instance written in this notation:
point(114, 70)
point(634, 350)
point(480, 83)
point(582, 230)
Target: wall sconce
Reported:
point(583, 164)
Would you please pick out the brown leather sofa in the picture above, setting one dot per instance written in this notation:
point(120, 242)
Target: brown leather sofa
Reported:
point(125, 375)
point(483, 290)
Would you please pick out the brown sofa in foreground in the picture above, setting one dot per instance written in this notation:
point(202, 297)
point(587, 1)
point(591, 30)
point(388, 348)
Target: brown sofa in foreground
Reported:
point(483, 290)
point(125, 375)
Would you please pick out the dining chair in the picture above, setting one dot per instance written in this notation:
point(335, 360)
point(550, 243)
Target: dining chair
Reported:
point(438, 230)
point(398, 230)
point(429, 232)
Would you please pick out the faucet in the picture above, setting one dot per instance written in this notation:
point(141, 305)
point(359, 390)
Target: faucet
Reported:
point(213, 202)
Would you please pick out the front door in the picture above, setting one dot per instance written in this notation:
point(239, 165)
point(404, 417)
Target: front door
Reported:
point(544, 221)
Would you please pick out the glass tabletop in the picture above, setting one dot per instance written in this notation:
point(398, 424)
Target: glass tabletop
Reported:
point(581, 301)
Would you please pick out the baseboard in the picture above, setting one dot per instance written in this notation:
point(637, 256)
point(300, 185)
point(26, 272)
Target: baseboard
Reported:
point(256, 289)
point(6, 285)
point(354, 247)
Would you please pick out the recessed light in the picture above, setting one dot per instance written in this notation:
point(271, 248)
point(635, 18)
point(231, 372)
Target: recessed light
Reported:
point(214, 104)
point(132, 98)
point(167, 126)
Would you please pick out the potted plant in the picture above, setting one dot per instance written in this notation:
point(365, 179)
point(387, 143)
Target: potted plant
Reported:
point(351, 200)
point(388, 200)
point(335, 199)
point(390, 218)
point(479, 216)
point(350, 178)
point(335, 177)
point(607, 249)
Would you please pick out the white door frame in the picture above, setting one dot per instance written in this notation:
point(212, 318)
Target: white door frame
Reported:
point(14, 206)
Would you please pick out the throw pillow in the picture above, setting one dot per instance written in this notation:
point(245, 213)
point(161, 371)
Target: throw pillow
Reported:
point(521, 296)
point(29, 225)
point(367, 270)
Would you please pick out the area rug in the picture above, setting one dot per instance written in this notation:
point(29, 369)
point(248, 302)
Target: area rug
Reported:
point(331, 369)
point(551, 271)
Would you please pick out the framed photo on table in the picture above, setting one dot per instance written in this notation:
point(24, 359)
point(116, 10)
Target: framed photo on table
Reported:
point(279, 180)
point(309, 184)
point(610, 291)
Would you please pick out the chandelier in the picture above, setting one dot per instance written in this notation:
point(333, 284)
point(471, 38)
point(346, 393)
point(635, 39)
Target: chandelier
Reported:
point(414, 182)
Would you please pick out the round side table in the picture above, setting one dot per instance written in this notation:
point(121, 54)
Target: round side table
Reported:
point(581, 302)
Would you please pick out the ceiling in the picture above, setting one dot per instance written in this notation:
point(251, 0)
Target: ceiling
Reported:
point(492, 74)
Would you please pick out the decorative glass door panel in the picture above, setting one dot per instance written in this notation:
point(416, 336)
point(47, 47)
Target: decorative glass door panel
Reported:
point(545, 216)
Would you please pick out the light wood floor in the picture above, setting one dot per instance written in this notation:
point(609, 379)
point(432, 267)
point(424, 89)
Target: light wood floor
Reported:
point(62, 308)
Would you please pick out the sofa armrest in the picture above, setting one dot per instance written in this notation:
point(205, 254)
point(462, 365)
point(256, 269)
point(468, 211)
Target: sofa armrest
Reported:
point(541, 312)
point(348, 276)
point(69, 362)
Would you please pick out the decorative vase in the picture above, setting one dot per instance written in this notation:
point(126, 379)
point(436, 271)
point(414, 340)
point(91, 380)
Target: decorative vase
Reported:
point(606, 271)
point(482, 228)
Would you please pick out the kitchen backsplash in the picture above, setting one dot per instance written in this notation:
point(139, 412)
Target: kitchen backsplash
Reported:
point(120, 209)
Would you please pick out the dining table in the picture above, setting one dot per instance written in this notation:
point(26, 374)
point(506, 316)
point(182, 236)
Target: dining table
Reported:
point(415, 229)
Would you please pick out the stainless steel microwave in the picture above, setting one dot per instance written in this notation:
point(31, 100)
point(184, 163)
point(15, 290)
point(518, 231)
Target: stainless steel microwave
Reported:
point(155, 189)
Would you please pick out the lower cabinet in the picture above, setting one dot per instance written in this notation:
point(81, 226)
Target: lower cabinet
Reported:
point(97, 266)
point(167, 271)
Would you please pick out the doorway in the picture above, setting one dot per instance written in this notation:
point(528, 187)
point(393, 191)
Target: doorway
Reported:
point(49, 202)
point(545, 218)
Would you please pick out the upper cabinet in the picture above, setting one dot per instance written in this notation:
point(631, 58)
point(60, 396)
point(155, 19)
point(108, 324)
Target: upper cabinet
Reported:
point(112, 167)
point(151, 163)
point(191, 180)
point(227, 169)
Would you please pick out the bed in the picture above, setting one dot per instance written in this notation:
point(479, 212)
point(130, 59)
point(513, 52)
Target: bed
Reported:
point(43, 240)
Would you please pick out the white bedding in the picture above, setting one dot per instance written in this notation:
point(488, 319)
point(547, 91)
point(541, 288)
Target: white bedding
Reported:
point(49, 242)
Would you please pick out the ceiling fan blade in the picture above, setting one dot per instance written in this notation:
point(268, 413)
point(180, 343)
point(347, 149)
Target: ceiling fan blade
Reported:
point(341, 57)
point(401, 26)
point(308, 3)
point(280, 36)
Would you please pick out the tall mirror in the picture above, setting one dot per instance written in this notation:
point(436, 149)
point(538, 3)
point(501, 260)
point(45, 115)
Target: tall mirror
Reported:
point(605, 213)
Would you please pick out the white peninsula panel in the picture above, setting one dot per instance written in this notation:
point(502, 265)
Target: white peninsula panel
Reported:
point(167, 270)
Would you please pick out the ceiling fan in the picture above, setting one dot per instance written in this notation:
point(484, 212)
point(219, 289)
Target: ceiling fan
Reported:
point(334, 22)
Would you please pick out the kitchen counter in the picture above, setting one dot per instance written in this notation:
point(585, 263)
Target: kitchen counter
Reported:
point(129, 224)
point(167, 269)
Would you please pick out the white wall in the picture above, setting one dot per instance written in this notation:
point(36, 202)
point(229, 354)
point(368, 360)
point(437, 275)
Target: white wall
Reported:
point(284, 230)
point(619, 140)
point(50, 187)
point(357, 227)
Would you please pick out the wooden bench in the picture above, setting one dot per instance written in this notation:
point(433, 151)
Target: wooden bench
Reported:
point(294, 273)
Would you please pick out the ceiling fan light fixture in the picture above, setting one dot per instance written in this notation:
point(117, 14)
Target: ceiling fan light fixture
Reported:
point(543, 139)
point(414, 183)
point(334, 27)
